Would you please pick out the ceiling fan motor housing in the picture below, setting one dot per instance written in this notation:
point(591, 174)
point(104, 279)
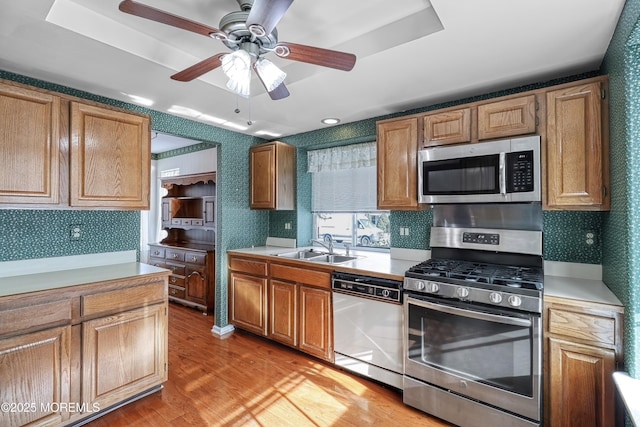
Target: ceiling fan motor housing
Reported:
point(235, 27)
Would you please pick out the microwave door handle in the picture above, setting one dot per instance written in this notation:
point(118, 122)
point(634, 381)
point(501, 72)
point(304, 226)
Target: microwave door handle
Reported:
point(502, 171)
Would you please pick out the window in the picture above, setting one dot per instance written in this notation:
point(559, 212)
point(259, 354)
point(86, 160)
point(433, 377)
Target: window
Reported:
point(344, 197)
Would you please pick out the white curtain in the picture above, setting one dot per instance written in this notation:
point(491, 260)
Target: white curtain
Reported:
point(345, 157)
point(344, 178)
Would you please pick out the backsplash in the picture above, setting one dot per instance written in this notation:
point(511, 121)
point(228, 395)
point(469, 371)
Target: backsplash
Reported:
point(28, 234)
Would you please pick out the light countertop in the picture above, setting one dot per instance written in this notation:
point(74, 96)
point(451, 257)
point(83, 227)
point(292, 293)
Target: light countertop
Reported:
point(381, 264)
point(24, 283)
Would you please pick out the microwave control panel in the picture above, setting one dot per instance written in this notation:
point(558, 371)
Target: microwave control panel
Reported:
point(520, 172)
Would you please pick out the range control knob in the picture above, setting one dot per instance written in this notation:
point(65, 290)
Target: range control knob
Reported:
point(386, 293)
point(433, 287)
point(495, 297)
point(462, 292)
point(515, 301)
point(420, 286)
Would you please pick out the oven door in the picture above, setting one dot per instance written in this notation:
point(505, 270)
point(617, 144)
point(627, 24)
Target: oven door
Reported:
point(490, 355)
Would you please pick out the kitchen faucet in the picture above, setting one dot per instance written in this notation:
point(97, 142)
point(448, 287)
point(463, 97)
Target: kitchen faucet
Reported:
point(329, 247)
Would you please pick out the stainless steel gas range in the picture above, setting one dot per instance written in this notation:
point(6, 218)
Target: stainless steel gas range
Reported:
point(473, 323)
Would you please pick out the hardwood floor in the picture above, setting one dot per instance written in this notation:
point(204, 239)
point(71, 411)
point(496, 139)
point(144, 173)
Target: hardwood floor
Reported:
point(244, 380)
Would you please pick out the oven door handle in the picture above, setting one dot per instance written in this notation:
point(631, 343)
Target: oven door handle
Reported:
point(469, 313)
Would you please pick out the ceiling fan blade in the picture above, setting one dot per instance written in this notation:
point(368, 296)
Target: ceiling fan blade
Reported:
point(267, 13)
point(280, 92)
point(315, 55)
point(199, 69)
point(153, 14)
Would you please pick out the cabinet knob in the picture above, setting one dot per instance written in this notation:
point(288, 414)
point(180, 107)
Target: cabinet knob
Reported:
point(173, 291)
point(174, 280)
point(175, 256)
point(156, 252)
point(194, 258)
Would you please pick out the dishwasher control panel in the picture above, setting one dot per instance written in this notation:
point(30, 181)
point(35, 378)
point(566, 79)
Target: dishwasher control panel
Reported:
point(368, 287)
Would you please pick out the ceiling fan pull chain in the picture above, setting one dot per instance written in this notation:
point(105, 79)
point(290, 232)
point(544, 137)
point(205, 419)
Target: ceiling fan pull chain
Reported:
point(249, 122)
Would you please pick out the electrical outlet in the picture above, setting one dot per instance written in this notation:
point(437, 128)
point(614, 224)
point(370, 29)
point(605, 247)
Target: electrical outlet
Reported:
point(287, 226)
point(75, 232)
point(590, 237)
point(404, 231)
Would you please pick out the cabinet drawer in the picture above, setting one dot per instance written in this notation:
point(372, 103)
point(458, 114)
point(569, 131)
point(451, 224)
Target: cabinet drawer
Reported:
point(158, 262)
point(599, 330)
point(176, 268)
point(176, 281)
point(176, 292)
point(248, 266)
point(316, 278)
point(174, 255)
point(197, 222)
point(35, 317)
point(123, 299)
point(195, 258)
point(176, 221)
point(157, 252)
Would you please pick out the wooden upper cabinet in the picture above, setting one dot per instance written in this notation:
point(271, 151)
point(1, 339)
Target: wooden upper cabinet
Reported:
point(449, 127)
point(29, 146)
point(397, 164)
point(272, 169)
point(110, 162)
point(510, 117)
point(577, 148)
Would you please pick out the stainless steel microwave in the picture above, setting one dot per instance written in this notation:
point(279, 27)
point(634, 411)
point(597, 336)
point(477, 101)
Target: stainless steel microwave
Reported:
point(505, 170)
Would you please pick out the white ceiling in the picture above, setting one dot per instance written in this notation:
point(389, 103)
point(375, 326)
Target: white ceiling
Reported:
point(403, 61)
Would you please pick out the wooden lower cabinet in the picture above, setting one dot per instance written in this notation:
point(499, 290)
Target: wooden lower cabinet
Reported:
point(283, 312)
point(315, 322)
point(290, 304)
point(40, 364)
point(123, 354)
point(68, 353)
point(583, 347)
point(248, 307)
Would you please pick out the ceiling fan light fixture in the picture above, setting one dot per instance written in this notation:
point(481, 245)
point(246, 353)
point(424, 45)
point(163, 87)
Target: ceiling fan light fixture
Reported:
point(269, 73)
point(237, 66)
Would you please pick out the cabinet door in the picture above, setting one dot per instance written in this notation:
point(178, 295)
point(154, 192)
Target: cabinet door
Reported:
point(450, 127)
point(511, 117)
point(263, 176)
point(283, 312)
point(577, 166)
point(29, 146)
point(316, 322)
point(124, 354)
point(248, 302)
point(35, 370)
point(581, 385)
point(196, 286)
point(398, 165)
point(110, 158)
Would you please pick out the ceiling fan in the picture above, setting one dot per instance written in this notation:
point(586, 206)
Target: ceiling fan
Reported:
point(250, 33)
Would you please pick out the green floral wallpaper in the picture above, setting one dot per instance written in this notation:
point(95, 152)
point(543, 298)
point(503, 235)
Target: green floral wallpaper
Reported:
point(621, 229)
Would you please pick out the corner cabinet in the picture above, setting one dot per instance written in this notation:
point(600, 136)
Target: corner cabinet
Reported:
point(188, 217)
point(397, 157)
point(94, 346)
point(577, 147)
point(110, 158)
point(583, 347)
point(273, 171)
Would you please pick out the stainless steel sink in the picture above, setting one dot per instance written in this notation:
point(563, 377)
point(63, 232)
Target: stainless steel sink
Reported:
point(333, 259)
point(305, 254)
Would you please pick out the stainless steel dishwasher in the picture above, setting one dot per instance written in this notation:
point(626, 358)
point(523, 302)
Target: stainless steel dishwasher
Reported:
point(367, 319)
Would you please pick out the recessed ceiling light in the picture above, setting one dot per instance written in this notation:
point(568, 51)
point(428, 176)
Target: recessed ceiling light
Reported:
point(330, 121)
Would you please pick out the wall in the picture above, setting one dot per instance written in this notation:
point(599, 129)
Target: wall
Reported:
point(39, 233)
point(621, 235)
point(564, 231)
